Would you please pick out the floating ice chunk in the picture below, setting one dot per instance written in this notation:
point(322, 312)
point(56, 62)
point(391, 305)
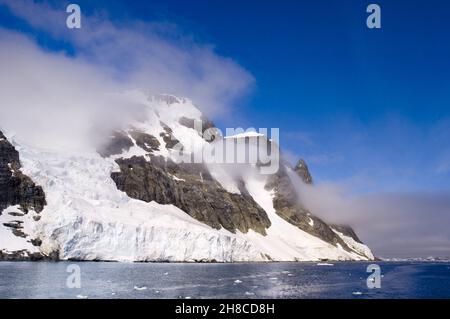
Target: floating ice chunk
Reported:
point(324, 264)
point(237, 281)
point(140, 288)
point(247, 293)
point(357, 293)
point(82, 297)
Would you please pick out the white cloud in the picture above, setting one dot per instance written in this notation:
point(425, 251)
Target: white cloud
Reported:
point(392, 224)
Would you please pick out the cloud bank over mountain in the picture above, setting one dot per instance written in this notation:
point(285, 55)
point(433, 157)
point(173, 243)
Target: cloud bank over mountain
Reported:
point(396, 224)
point(92, 64)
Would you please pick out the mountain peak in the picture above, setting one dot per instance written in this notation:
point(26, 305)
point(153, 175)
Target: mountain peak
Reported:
point(302, 170)
point(167, 98)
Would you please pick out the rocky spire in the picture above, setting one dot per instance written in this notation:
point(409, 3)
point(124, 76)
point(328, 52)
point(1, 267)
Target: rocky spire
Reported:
point(302, 170)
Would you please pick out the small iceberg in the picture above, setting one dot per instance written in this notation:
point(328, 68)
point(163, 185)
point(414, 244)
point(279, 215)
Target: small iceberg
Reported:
point(247, 293)
point(140, 288)
point(357, 293)
point(324, 264)
point(237, 281)
point(82, 297)
point(273, 278)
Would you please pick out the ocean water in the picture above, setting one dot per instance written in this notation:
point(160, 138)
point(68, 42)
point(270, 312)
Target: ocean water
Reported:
point(241, 280)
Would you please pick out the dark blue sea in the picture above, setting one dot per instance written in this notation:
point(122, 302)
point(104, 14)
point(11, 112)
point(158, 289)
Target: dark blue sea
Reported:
point(240, 280)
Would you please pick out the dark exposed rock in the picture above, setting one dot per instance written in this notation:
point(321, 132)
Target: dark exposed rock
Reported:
point(19, 232)
point(118, 143)
point(16, 228)
point(205, 128)
point(15, 214)
point(347, 231)
point(23, 255)
point(145, 141)
point(168, 137)
point(302, 170)
point(14, 224)
point(15, 187)
point(206, 123)
point(9, 155)
point(191, 188)
point(286, 205)
point(168, 99)
point(189, 123)
point(36, 242)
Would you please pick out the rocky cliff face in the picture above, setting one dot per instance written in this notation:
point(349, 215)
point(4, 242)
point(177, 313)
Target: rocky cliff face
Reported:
point(303, 172)
point(18, 196)
point(15, 187)
point(191, 188)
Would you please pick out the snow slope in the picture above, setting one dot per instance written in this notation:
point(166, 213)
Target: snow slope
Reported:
point(285, 241)
point(10, 242)
point(87, 218)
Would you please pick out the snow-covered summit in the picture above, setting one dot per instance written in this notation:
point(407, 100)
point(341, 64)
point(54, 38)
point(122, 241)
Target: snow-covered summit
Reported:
point(167, 98)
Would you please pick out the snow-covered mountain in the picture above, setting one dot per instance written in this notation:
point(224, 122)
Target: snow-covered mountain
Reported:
point(131, 199)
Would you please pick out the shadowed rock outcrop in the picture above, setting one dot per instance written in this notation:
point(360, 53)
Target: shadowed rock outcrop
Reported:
point(167, 99)
point(206, 126)
point(303, 172)
point(118, 143)
point(145, 141)
point(347, 231)
point(287, 206)
point(15, 187)
point(168, 136)
point(191, 188)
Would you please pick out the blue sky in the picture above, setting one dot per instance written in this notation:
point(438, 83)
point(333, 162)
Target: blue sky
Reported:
point(368, 109)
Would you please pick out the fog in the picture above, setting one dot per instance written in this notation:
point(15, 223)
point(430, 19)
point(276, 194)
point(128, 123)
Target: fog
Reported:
point(414, 224)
